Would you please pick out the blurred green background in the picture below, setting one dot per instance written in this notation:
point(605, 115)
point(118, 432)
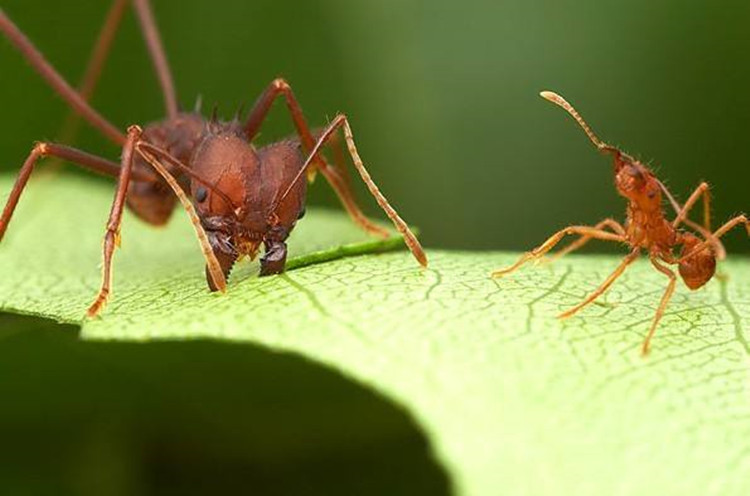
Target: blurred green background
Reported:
point(443, 101)
point(442, 96)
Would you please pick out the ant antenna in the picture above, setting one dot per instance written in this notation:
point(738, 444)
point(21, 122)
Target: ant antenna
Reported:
point(214, 267)
point(561, 102)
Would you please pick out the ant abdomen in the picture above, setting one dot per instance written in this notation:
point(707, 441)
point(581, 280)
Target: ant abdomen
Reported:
point(698, 268)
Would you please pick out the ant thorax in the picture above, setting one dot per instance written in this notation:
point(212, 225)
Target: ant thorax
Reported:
point(646, 225)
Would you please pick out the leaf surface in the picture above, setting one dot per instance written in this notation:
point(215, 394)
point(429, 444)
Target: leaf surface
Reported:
point(513, 400)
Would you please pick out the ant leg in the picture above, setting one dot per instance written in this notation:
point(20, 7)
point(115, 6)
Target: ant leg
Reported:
point(341, 121)
point(262, 106)
point(662, 305)
point(730, 224)
point(339, 179)
point(112, 234)
point(575, 245)
point(57, 82)
point(94, 67)
point(339, 159)
point(701, 191)
point(553, 240)
point(78, 157)
point(338, 182)
point(341, 187)
point(158, 56)
point(629, 258)
point(705, 229)
point(101, 51)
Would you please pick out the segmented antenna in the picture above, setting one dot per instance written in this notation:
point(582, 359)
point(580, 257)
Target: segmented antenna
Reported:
point(561, 102)
point(212, 263)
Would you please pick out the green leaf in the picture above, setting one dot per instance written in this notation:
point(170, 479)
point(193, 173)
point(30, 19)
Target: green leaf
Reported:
point(512, 399)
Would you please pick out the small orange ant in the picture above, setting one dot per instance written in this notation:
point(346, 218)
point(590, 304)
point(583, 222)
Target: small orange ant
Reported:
point(645, 228)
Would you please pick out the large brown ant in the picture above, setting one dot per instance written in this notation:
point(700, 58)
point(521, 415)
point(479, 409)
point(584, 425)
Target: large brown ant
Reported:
point(242, 196)
point(646, 228)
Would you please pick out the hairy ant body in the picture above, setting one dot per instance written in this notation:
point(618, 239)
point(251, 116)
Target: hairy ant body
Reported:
point(646, 228)
point(242, 196)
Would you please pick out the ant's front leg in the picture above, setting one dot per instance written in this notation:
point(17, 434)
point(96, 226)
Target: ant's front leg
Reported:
point(538, 252)
point(615, 226)
point(112, 234)
point(274, 259)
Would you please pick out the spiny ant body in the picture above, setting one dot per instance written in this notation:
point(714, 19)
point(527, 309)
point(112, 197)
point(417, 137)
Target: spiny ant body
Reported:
point(242, 196)
point(646, 228)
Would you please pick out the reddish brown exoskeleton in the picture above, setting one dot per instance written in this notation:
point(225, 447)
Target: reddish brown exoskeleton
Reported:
point(242, 196)
point(646, 228)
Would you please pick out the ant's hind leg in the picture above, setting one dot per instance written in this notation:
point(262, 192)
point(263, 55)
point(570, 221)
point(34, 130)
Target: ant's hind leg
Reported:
point(539, 251)
point(662, 305)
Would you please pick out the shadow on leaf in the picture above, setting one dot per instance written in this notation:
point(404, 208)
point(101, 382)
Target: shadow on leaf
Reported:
point(195, 417)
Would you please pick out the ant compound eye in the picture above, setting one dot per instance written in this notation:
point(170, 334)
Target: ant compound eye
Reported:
point(201, 194)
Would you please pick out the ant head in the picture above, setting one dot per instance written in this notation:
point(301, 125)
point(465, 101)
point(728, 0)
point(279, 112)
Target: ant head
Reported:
point(633, 180)
point(636, 183)
point(699, 267)
point(225, 162)
point(223, 187)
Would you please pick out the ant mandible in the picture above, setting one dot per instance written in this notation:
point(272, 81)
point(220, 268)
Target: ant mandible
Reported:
point(646, 228)
point(242, 196)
